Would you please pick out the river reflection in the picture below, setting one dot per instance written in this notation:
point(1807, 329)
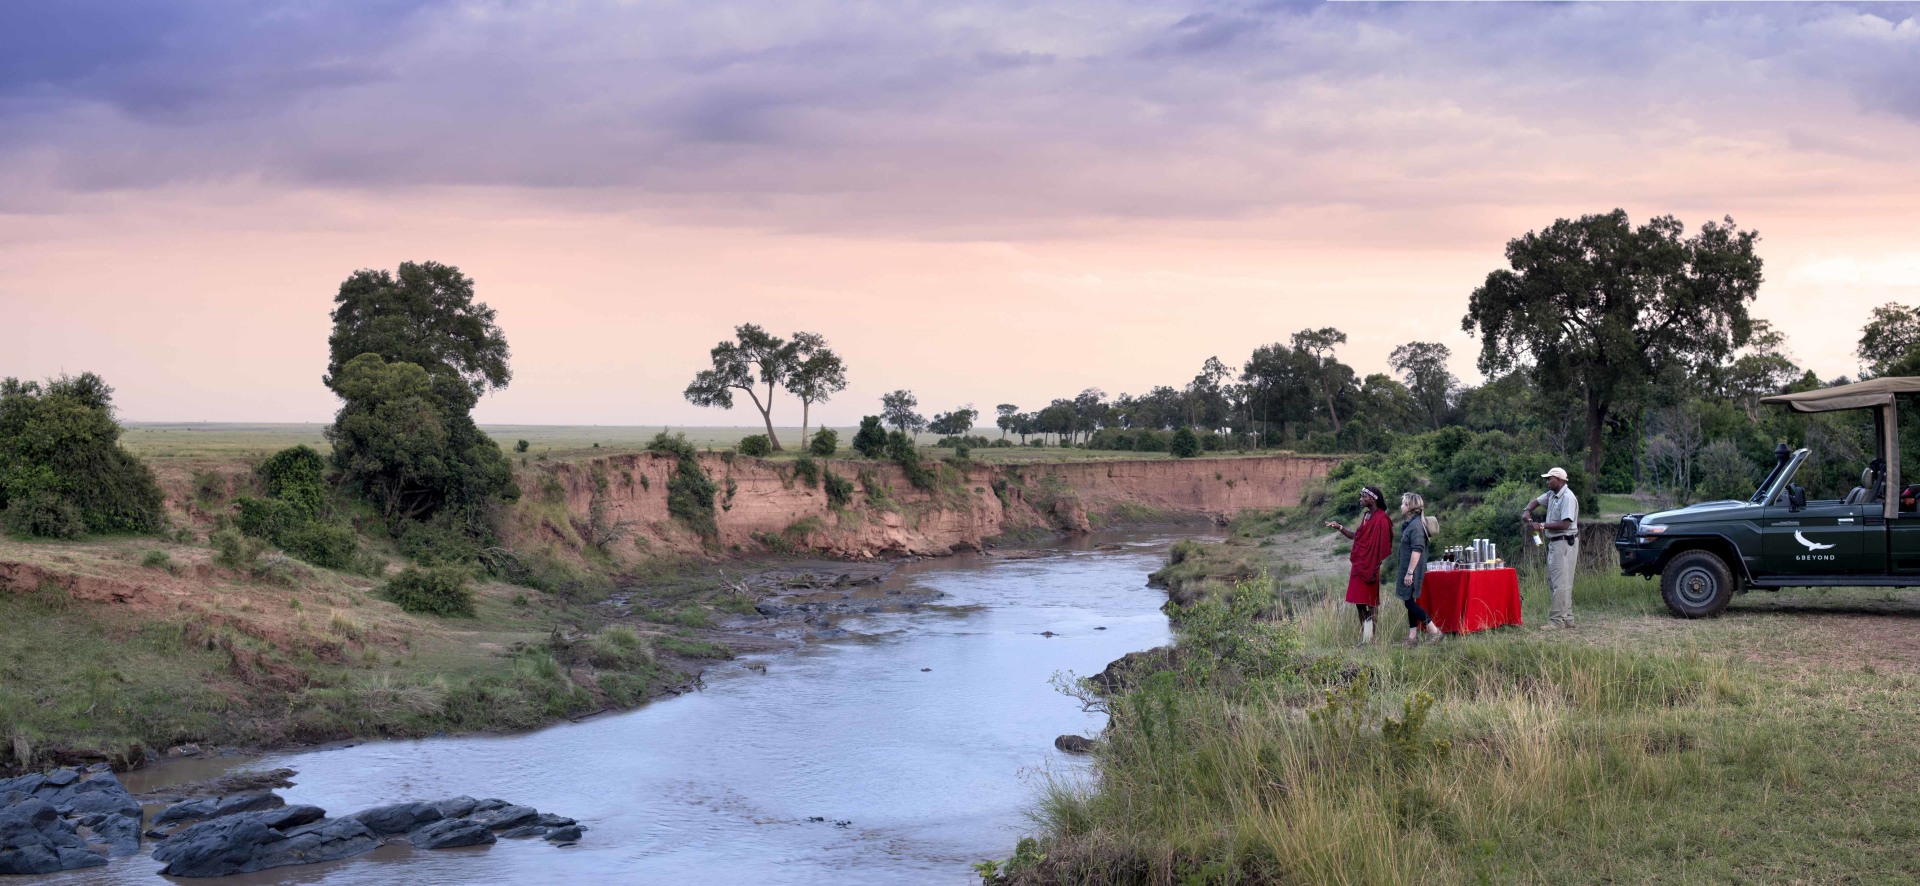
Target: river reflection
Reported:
point(919, 744)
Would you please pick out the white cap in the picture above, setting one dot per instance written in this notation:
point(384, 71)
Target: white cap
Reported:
point(1556, 472)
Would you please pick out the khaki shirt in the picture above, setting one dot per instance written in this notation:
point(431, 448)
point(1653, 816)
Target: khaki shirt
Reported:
point(1562, 505)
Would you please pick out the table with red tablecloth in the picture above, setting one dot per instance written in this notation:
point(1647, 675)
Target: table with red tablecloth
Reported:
point(1467, 600)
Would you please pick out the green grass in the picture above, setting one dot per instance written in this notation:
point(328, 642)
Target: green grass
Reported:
point(1752, 748)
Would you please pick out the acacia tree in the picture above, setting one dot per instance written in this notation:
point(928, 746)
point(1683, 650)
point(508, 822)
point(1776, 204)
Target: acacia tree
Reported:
point(1423, 366)
point(1009, 418)
point(954, 424)
point(896, 409)
point(817, 375)
point(754, 359)
point(1328, 373)
point(1599, 308)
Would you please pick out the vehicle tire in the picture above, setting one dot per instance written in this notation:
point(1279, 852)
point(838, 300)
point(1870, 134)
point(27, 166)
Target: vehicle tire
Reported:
point(1696, 584)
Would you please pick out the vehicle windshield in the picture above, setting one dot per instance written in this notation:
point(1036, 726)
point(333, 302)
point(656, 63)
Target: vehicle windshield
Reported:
point(1782, 475)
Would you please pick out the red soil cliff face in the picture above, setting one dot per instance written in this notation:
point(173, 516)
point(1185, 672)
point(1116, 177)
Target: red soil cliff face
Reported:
point(761, 503)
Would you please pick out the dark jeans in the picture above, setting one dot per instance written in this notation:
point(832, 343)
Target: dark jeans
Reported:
point(1416, 617)
point(1366, 612)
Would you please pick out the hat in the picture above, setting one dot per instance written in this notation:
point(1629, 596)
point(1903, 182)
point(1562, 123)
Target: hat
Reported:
point(1556, 472)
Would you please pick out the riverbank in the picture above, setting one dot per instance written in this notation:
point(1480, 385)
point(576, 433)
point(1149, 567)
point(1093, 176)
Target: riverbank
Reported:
point(1763, 746)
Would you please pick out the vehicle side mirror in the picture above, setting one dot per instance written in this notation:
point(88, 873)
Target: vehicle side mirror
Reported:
point(1796, 498)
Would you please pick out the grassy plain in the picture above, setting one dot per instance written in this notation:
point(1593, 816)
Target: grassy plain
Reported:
point(213, 442)
point(1771, 745)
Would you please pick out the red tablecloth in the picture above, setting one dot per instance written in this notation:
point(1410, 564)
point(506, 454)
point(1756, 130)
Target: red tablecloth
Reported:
point(1467, 600)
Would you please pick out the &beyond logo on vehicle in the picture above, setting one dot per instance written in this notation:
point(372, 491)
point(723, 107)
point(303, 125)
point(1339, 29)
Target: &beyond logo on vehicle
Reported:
point(1812, 546)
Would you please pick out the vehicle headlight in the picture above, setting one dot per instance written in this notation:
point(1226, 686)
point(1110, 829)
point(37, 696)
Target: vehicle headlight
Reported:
point(1652, 529)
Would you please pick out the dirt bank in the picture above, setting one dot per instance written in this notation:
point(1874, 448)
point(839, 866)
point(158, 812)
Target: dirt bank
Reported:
point(765, 503)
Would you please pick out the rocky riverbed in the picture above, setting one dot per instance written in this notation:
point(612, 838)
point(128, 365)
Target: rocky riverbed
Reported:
point(68, 819)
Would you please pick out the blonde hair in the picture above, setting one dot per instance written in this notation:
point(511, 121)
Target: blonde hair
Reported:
point(1416, 503)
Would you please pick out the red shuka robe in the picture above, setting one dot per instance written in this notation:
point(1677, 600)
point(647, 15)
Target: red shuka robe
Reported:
point(1372, 543)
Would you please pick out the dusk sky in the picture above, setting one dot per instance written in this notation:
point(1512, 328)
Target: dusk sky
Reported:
point(984, 203)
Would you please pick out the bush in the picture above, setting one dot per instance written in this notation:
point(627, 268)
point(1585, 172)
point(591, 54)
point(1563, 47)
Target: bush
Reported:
point(1212, 443)
point(438, 542)
point(1185, 443)
point(297, 476)
point(1037, 443)
point(266, 518)
point(690, 492)
point(839, 489)
point(1002, 443)
point(45, 515)
point(962, 452)
point(438, 590)
point(807, 470)
point(157, 560)
point(825, 443)
point(903, 452)
point(61, 463)
point(756, 445)
point(327, 545)
point(521, 446)
point(871, 440)
point(234, 550)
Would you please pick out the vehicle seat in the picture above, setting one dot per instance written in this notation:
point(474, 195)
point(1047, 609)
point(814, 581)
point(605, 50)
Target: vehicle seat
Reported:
point(1874, 481)
point(1854, 497)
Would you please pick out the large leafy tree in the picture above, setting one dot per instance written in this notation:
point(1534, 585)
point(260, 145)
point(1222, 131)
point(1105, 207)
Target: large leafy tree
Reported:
point(1891, 334)
point(1423, 367)
point(421, 313)
point(755, 362)
point(62, 469)
point(1601, 308)
point(896, 408)
point(410, 355)
point(1009, 417)
point(818, 374)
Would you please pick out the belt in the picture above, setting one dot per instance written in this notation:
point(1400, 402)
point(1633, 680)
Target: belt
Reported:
point(1569, 539)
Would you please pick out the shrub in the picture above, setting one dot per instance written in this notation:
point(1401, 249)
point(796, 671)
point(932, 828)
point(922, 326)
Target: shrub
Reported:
point(324, 544)
point(756, 445)
point(44, 514)
point(61, 463)
point(1002, 443)
point(1185, 443)
point(279, 569)
point(824, 443)
point(807, 470)
point(234, 550)
point(962, 452)
point(521, 446)
point(438, 542)
point(839, 489)
point(295, 475)
point(871, 440)
point(265, 518)
point(157, 560)
point(438, 590)
point(1037, 443)
point(690, 492)
point(1212, 443)
point(903, 452)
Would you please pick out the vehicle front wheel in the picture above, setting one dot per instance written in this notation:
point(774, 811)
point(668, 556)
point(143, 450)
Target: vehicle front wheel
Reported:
point(1696, 584)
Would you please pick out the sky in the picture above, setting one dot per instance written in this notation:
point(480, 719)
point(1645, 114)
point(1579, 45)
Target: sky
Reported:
point(980, 202)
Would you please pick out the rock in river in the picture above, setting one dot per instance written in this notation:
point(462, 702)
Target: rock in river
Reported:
point(65, 819)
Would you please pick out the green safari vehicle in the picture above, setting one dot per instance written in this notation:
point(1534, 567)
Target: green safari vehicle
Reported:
point(1706, 553)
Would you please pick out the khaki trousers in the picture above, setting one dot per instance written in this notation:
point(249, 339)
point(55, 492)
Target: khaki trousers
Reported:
point(1561, 558)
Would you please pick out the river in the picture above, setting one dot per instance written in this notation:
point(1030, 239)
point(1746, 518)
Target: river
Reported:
point(901, 754)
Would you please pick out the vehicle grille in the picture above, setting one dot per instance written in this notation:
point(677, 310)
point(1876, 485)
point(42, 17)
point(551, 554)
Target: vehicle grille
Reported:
point(1629, 527)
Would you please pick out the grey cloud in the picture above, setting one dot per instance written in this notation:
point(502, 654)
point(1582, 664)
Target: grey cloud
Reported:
point(923, 118)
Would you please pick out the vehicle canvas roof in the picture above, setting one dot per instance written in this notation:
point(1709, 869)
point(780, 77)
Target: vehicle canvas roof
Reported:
point(1863, 395)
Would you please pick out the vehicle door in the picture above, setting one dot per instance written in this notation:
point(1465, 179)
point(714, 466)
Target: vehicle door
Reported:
point(1903, 536)
point(1823, 538)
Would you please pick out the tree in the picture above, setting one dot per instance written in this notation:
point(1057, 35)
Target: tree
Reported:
point(753, 359)
point(1761, 368)
point(1893, 333)
point(954, 424)
point(1009, 417)
point(1423, 366)
point(897, 409)
point(1600, 308)
point(410, 355)
point(1090, 409)
point(403, 450)
point(817, 375)
point(62, 470)
point(871, 440)
point(422, 314)
point(1328, 373)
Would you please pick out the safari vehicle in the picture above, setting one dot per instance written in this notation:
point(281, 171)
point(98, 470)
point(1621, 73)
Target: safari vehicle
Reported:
point(1706, 553)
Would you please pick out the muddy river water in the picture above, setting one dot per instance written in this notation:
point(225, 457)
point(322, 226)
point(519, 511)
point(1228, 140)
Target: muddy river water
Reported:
point(902, 753)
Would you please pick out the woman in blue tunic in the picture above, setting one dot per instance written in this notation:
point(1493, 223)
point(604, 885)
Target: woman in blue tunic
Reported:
point(1414, 535)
